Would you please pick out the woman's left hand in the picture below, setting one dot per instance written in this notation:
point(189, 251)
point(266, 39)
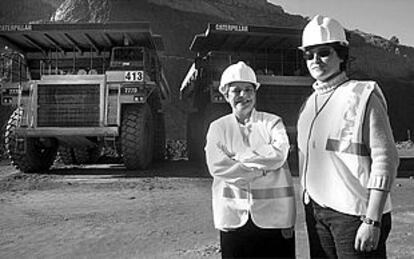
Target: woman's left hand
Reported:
point(367, 238)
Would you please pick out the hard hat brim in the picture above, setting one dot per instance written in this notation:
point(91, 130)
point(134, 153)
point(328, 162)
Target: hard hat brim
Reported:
point(306, 47)
point(222, 88)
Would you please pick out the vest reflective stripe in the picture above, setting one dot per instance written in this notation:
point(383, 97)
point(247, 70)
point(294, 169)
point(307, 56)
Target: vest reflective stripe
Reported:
point(347, 147)
point(258, 194)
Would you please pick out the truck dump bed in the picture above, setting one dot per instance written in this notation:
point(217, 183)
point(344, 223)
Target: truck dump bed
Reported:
point(65, 47)
point(80, 37)
point(227, 37)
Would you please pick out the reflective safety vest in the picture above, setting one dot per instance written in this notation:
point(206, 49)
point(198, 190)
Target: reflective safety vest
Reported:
point(270, 201)
point(270, 198)
point(334, 162)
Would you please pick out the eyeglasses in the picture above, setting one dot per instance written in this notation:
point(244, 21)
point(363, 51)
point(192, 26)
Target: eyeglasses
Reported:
point(238, 90)
point(323, 53)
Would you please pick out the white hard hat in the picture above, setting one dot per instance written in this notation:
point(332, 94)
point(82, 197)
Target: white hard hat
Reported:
point(323, 30)
point(239, 72)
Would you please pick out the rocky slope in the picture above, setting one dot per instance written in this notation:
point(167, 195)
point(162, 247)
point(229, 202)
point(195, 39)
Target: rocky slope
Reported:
point(23, 11)
point(82, 11)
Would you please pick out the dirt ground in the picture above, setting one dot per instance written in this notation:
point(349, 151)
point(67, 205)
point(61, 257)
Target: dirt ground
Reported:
point(104, 211)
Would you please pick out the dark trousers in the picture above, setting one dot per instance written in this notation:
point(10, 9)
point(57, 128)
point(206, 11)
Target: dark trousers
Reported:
point(332, 234)
point(251, 241)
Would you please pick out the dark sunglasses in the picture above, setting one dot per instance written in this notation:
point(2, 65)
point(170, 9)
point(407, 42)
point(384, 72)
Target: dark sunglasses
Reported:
point(323, 53)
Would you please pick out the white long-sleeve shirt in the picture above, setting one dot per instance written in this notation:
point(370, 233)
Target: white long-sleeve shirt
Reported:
point(248, 164)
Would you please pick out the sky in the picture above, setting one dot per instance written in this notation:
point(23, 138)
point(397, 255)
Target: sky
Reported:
point(385, 18)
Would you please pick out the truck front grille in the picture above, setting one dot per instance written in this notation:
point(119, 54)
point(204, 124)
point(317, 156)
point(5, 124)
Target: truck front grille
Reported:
point(68, 105)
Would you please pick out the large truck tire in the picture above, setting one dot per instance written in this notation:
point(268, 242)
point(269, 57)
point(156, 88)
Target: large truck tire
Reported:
point(29, 155)
point(198, 127)
point(159, 138)
point(195, 140)
point(137, 136)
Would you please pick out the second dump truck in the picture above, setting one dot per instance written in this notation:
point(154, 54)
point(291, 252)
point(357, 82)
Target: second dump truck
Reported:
point(271, 51)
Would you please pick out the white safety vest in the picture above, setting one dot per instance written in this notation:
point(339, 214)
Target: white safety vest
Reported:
point(334, 162)
point(240, 189)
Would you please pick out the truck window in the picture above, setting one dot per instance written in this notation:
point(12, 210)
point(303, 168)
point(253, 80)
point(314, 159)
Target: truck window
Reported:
point(127, 55)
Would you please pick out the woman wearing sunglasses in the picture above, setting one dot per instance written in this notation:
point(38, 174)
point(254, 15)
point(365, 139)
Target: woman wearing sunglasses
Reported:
point(347, 156)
